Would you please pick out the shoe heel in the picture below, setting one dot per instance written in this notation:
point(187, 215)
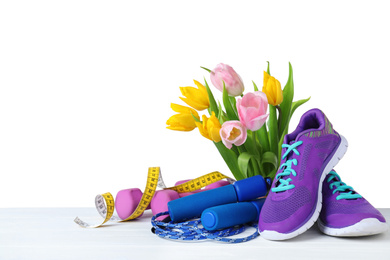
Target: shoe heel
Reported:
point(338, 155)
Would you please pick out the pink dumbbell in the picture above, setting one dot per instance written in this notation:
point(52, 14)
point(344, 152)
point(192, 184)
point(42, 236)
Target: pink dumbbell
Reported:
point(127, 200)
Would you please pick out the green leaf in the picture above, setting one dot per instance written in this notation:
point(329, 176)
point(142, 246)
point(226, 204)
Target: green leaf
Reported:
point(285, 106)
point(220, 114)
point(233, 101)
point(222, 118)
point(230, 111)
point(272, 174)
point(297, 104)
point(250, 144)
point(294, 106)
point(273, 129)
point(270, 158)
point(195, 118)
point(243, 163)
point(262, 135)
point(213, 104)
point(280, 145)
point(206, 69)
point(231, 160)
point(254, 86)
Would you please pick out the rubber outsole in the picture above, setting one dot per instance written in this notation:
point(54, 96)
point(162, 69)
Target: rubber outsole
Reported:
point(366, 227)
point(338, 155)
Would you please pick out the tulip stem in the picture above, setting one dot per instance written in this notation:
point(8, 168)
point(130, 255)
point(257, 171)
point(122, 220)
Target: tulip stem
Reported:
point(268, 71)
point(256, 169)
point(235, 150)
point(273, 130)
point(263, 138)
point(260, 151)
point(241, 149)
point(279, 117)
point(230, 157)
point(227, 102)
point(257, 144)
point(213, 103)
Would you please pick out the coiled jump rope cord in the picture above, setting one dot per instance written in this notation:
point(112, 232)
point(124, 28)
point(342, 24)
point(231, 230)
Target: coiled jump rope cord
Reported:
point(190, 231)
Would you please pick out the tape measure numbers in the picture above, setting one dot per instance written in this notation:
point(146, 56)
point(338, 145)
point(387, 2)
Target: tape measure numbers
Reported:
point(105, 204)
point(106, 212)
point(154, 175)
point(200, 182)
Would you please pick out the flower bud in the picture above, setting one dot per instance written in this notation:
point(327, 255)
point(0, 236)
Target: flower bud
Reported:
point(196, 97)
point(252, 109)
point(184, 121)
point(233, 82)
point(233, 132)
point(273, 89)
point(210, 127)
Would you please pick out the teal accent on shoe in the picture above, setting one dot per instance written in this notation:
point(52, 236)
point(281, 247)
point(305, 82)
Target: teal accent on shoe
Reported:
point(285, 184)
point(346, 192)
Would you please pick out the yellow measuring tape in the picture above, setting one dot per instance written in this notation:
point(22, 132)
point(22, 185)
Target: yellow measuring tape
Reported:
point(105, 202)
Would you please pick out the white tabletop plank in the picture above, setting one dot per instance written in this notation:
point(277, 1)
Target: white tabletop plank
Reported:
point(50, 233)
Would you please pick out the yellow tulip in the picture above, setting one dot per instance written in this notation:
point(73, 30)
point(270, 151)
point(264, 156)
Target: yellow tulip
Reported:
point(196, 97)
point(209, 128)
point(273, 90)
point(184, 121)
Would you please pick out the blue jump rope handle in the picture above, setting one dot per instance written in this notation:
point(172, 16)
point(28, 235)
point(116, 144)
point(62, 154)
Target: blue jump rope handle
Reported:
point(232, 214)
point(192, 206)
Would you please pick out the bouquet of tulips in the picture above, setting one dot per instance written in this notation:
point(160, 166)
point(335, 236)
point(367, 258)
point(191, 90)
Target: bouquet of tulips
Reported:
point(239, 129)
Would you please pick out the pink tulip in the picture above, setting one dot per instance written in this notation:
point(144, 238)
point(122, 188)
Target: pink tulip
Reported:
point(233, 82)
point(233, 132)
point(252, 109)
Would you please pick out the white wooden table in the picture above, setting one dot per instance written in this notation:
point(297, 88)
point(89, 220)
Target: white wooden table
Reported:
point(50, 233)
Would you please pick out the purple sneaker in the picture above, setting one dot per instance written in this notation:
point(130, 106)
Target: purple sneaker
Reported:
point(308, 154)
point(345, 213)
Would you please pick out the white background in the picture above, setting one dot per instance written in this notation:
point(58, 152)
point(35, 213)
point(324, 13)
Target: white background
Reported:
point(86, 87)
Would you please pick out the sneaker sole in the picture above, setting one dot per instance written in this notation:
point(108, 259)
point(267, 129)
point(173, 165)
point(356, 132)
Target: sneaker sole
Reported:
point(366, 227)
point(274, 235)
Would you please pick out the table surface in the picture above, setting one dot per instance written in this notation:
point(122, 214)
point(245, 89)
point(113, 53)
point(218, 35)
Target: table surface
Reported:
point(50, 233)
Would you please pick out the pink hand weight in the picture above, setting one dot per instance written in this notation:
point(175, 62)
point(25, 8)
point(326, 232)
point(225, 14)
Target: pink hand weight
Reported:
point(126, 202)
point(160, 201)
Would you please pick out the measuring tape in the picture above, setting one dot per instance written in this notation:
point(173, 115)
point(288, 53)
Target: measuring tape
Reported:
point(105, 204)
